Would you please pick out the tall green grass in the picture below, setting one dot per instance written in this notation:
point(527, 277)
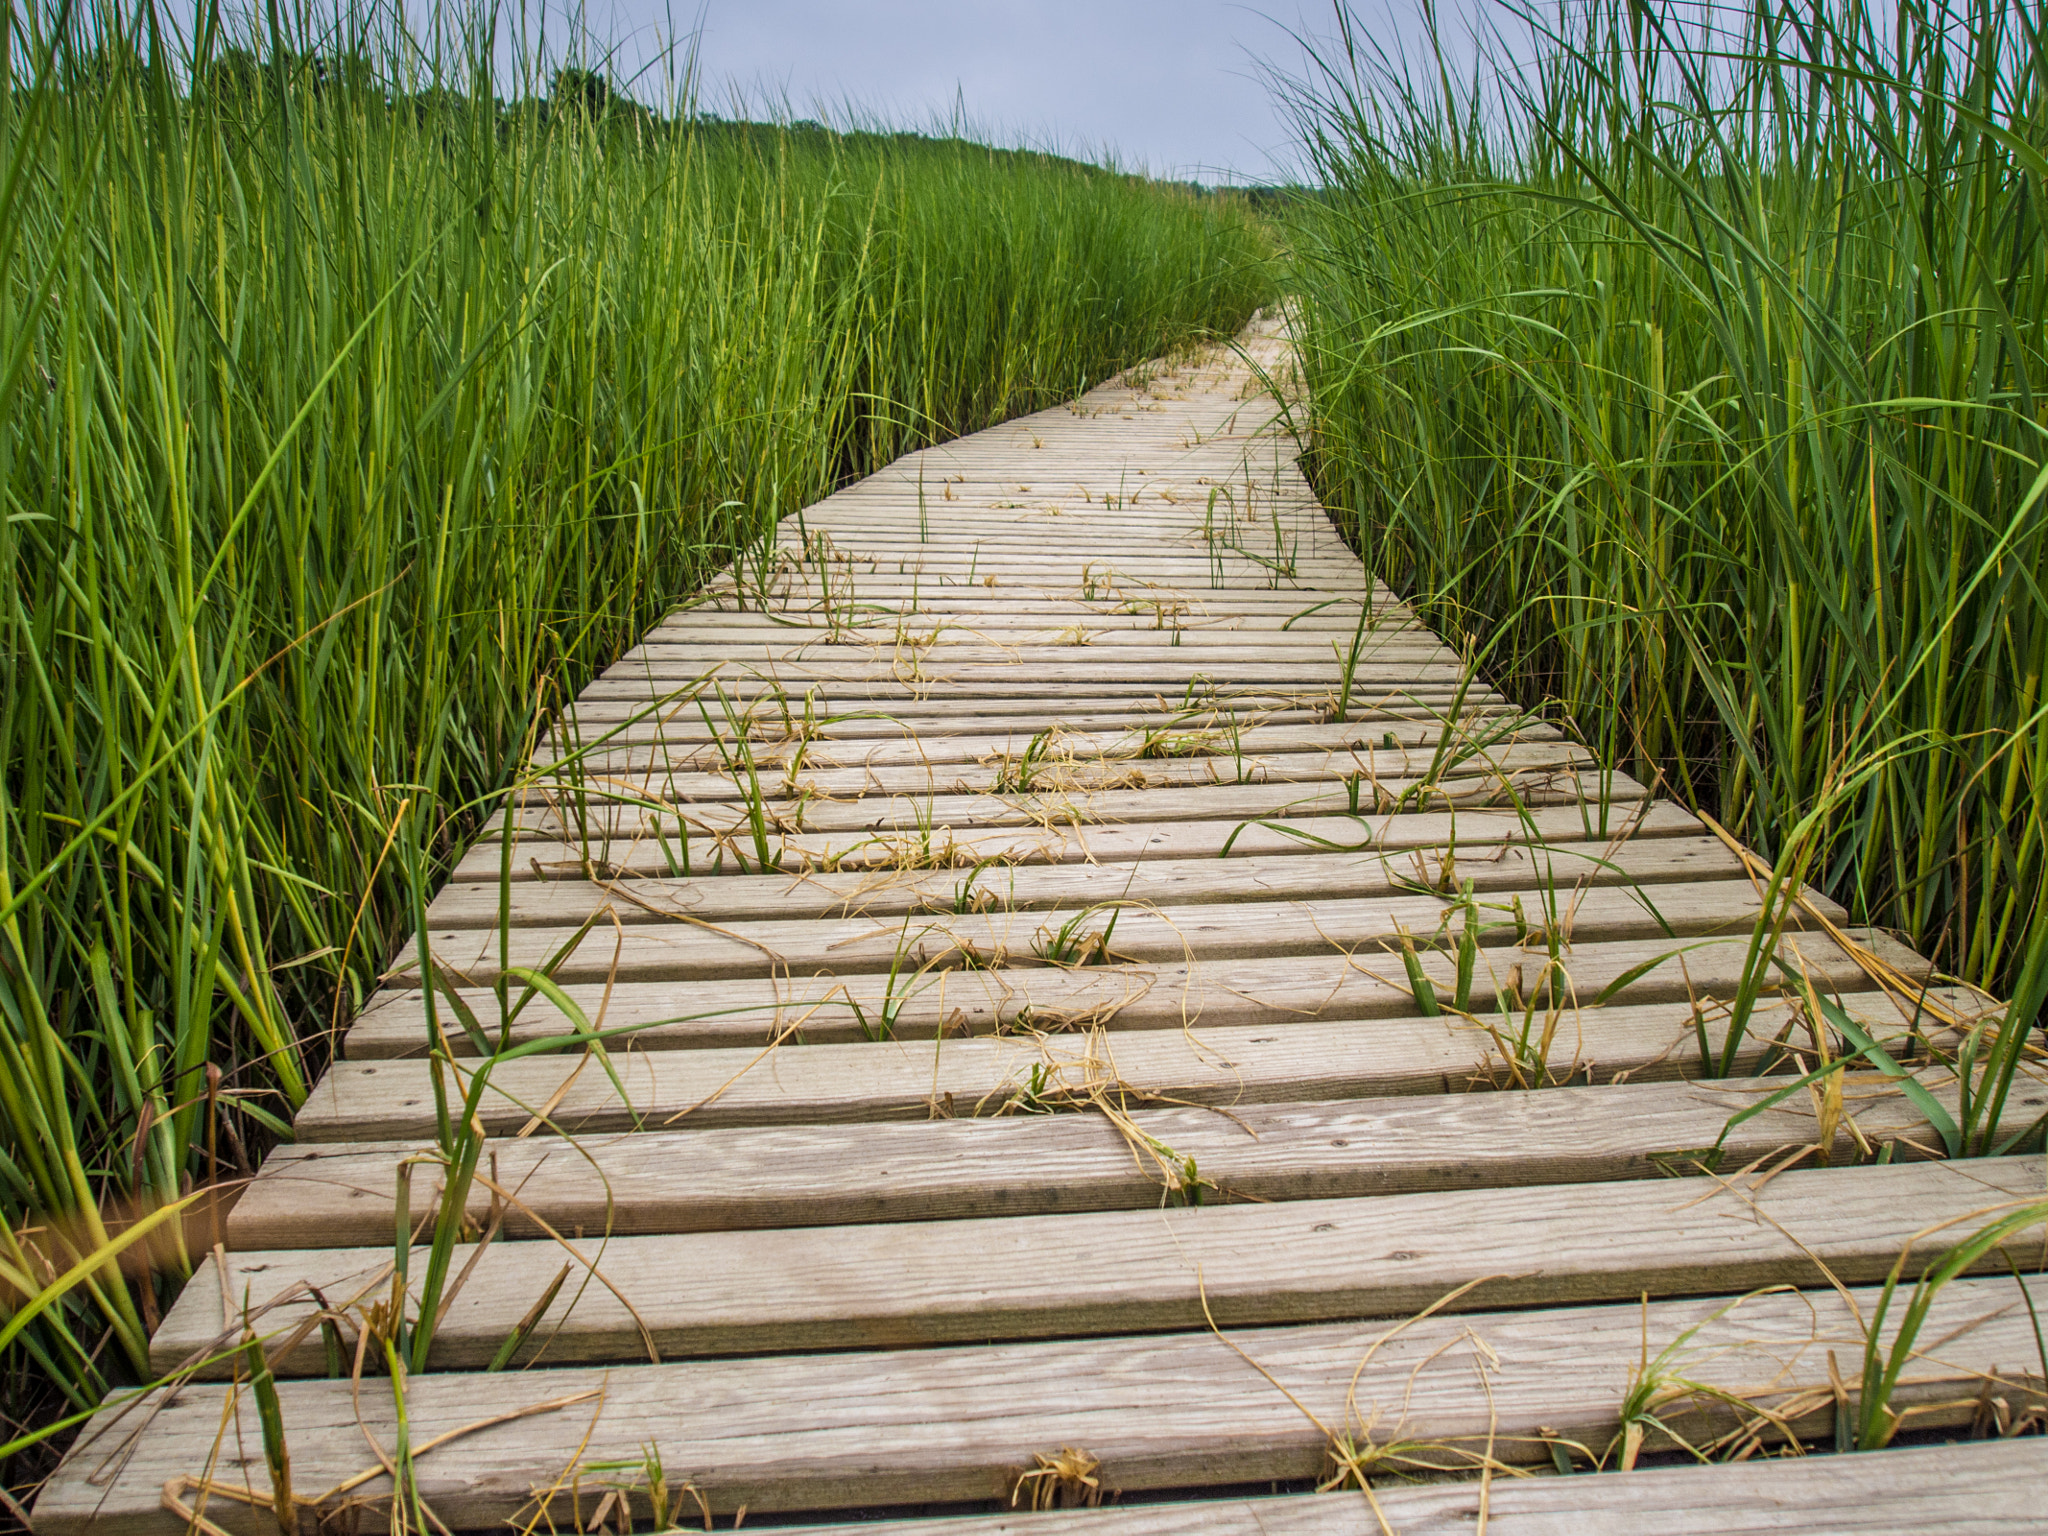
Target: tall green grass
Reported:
point(352, 417)
point(1692, 371)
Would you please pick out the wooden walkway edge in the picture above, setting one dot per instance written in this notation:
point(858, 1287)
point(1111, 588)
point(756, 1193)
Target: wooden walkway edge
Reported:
point(1990, 1489)
point(1045, 984)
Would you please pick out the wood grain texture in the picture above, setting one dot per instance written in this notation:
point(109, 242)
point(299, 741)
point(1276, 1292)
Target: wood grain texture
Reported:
point(1982, 1488)
point(1481, 831)
point(941, 650)
point(1129, 623)
point(875, 1428)
point(1192, 742)
point(892, 1285)
point(1019, 774)
point(556, 903)
point(929, 727)
point(1154, 609)
point(688, 949)
point(386, 1099)
point(603, 824)
point(1186, 683)
point(813, 1174)
point(940, 723)
point(1249, 689)
point(924, 1000)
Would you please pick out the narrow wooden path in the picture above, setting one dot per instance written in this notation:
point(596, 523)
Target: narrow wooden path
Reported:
point(1067, 990)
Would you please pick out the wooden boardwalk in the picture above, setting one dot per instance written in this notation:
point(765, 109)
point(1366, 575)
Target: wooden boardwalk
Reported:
point(1056, 973)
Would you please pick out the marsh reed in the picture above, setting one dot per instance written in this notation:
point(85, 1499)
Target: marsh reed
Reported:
point(361, 401)
point(1689, 372)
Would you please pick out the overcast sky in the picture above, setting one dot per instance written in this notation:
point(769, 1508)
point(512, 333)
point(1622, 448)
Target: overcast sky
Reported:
point(1169, 86)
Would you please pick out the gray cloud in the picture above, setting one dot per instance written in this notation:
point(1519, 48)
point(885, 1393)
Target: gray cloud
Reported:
point(1171, 86)
point(1174, 87)
point(1178, 88)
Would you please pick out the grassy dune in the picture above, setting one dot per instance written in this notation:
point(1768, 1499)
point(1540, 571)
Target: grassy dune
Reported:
point(351, 419)
point(1693, 379)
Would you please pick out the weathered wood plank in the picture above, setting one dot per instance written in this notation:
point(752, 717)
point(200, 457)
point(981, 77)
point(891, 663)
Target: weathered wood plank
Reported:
point(608, 828)
point(1006, 940)
point(1148, 604)
point(1070, 669)
point(856, 523)
point(1080, 544)
point(883, 555)
point(814, 1174)
point(1225, 742)
point(890, 545)
point(944, 715)
point(947, 653)
point(1126, 622)
point(850, 736)
point(1977, 1488)
point(1022, 888)
point(882, 1286)
point(373, 1099)
point(1079, 535)
point(866, 1429)
point(1172, 666)
point(1482, 831)
point(882, 689)
point(915, 1003)
point(1442, 769)
point(1159, 621)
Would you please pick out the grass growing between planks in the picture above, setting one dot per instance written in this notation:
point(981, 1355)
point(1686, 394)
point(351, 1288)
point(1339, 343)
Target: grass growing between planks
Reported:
point(1689, 377)
point(358, 405)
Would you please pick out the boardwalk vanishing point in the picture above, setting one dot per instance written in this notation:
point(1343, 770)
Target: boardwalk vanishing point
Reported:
point(1045, 988)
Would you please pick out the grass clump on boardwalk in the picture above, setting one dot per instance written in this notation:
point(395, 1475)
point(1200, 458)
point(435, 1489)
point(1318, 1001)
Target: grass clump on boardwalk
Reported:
point(1692, 373)
point(359, 404)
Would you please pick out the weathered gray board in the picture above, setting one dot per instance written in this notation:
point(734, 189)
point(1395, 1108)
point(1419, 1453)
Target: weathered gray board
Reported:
point(1063, 1276)
point(1173, 1410)
point(1990, 1489)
